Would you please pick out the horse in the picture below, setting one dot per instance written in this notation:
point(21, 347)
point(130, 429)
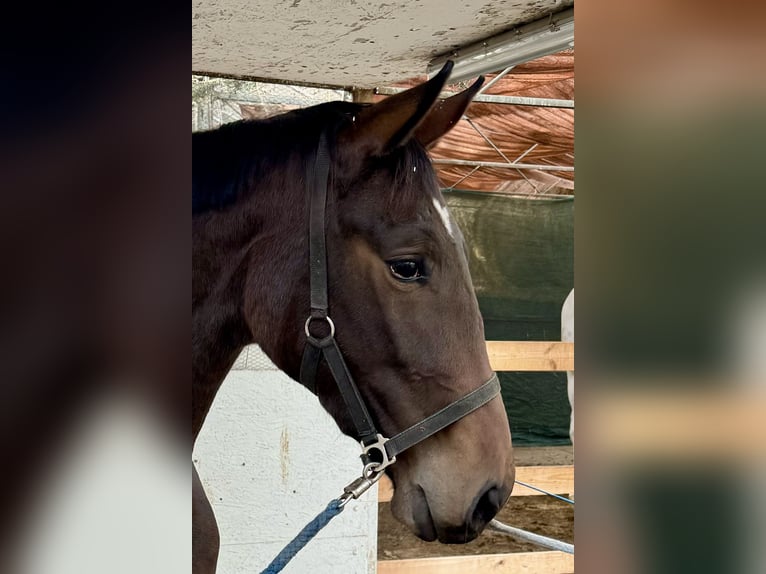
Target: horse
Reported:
point(398, 288)
point(567, 334)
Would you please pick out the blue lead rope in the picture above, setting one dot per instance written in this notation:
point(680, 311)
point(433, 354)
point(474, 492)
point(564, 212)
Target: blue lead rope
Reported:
point(304, 537)
point(335, 507)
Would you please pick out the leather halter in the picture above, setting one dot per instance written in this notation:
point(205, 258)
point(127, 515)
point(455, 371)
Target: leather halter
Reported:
point(378, 451)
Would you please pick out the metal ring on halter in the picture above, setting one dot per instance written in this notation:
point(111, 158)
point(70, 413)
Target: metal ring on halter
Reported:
point(313, 340)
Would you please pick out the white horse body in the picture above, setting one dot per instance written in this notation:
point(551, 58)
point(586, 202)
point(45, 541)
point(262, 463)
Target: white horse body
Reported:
point(567, 334)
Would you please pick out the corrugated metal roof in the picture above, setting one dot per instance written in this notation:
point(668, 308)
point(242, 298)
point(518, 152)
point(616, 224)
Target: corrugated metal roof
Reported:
point(514, 130)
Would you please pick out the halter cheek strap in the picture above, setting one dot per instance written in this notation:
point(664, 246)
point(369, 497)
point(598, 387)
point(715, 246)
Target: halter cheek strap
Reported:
point(378, 451)
point(327, 347)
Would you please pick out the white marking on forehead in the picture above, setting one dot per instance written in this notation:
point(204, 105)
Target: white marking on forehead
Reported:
point(444, 214)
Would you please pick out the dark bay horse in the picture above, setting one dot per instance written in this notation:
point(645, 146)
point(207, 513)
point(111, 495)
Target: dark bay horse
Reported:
point(399, 288)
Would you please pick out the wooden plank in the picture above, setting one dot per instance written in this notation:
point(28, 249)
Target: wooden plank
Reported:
point(531, 355)
point(719, 423)
point(556, 479)
point(385, 490)
point(526, 562)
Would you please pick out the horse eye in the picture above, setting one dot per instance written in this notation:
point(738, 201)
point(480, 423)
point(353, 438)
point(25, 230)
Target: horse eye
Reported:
point(406, 269)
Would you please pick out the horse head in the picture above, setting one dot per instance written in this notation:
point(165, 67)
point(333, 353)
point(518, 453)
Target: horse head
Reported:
point(405, 311)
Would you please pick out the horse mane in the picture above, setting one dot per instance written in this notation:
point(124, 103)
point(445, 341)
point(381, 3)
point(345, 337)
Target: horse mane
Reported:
point(225, 160)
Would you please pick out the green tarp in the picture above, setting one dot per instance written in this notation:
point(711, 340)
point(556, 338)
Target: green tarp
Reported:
point(521, 254)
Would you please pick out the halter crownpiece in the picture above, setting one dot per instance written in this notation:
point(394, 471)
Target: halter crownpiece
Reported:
point(378, 452)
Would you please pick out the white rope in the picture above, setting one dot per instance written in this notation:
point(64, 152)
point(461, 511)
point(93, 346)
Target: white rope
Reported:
point(564, 498)
point(543, 541)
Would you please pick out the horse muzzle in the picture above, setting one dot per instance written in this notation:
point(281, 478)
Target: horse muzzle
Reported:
point(481, 511)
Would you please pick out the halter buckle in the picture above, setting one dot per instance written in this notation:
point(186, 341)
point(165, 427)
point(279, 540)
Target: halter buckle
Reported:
point(375, 457)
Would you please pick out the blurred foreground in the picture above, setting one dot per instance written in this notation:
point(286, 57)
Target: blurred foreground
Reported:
point(671, 279)
point(670, 274)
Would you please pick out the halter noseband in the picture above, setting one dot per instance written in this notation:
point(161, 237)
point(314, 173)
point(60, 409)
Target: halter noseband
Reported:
point(378, 451)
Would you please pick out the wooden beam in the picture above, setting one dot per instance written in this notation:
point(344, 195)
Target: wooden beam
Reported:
point(362, 95)
point(531, 355)
point(555, 479)
point(385, 490)
point(527, 562)
point(715, 421)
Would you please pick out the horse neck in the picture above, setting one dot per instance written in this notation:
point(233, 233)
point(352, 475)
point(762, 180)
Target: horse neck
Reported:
point(237, 254)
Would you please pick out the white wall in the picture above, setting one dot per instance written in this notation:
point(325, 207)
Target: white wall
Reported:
point(115, 500)
point(270, 459)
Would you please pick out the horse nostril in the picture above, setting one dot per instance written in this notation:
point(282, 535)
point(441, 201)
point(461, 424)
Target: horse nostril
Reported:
point(486, 507)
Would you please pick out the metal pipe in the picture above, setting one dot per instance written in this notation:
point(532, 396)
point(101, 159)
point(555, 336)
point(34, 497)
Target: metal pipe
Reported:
point(486, 139)
point(534, 187)
point(525, 101)
point(540, 540)
point(494, 99)
point(547, 35)
point(526, 153)
point(494, 80)
point(462, 179)
point(471, 163)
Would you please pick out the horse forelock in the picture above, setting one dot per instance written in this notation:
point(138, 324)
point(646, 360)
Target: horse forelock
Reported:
point(404, 180)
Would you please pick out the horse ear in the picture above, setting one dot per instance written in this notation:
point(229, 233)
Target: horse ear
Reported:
point(381, 127)
point(444, 115)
